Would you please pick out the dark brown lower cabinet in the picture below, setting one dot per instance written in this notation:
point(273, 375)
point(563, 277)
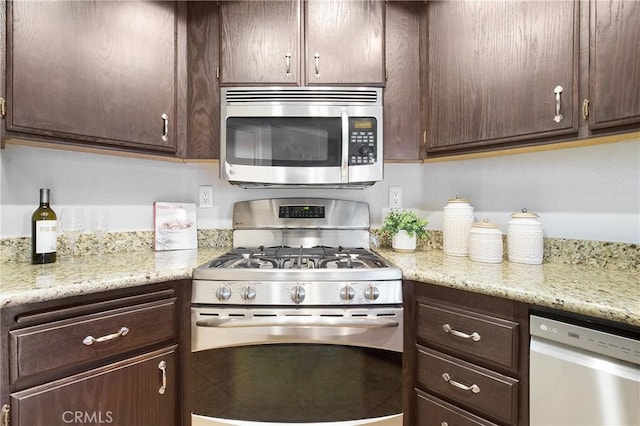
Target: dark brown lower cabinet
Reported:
point(116, 357)
point(137, 391)
point(466, 358)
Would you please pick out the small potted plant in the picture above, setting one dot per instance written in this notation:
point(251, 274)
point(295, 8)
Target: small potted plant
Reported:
point(404, 227)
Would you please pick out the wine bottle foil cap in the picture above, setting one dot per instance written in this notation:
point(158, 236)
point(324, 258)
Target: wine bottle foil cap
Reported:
point(44, 195)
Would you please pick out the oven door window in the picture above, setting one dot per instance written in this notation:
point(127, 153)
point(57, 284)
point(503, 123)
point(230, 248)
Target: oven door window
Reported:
point(296, 383)
point(284, 141)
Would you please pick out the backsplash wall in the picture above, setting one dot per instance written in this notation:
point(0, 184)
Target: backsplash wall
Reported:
point(585, 193)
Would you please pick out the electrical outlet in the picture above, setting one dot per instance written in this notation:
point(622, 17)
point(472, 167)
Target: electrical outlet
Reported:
point(205, 196)
point(395, 197)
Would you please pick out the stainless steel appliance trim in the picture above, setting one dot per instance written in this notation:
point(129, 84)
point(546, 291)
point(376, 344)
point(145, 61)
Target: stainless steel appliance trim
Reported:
point(323, 95)
point(298, 322)
point(264, 214)
point(207, 335)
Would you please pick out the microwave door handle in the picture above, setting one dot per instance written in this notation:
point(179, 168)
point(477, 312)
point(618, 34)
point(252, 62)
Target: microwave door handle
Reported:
point(344, 167)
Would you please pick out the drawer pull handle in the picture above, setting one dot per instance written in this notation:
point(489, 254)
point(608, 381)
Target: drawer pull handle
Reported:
point(473, 388)
point(90, 340)
point(163, 367)
point(473, 336)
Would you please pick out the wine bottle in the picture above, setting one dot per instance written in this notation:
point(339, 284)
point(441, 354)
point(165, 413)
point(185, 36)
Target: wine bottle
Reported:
point(44, 231)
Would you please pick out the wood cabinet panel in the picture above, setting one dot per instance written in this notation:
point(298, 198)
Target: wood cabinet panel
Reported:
point(493, 68)
point(348, 37)
point(494, 340)
point(494, 394)
point(434, 411)
point(402, 136)
point(49, 346)
point(124, 393)
point(203, 116)
point(614, 74)
point(75, 72)
point(256, 37)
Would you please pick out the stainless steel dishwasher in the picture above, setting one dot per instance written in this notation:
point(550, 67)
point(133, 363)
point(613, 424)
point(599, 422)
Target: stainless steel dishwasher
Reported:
point(580, 375)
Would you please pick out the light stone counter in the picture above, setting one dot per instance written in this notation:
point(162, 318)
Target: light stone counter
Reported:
point(592, 291)
point(602, 293)
point(22, 282)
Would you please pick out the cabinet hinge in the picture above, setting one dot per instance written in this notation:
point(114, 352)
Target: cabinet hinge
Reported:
point(218, 73)
point(5, 416)
point(585, 109)
point(3, 107)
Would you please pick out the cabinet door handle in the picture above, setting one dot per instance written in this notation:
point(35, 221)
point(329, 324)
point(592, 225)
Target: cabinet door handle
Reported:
point(288, 64)
point(316, 58)
point(90, 340)
point(165, 127)
point(163, 367)
point(473, 336)
point(557, 91)
point(473, 388)
point(585, 109)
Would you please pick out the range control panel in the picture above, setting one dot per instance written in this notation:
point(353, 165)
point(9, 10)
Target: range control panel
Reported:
point(301, 212)
point(363, 139)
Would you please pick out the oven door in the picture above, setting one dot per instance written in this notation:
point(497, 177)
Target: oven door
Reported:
point(296, 366)
point(301, 145)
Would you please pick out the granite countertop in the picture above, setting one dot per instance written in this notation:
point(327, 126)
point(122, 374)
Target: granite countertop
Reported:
point(22, 283)
point(601, 293)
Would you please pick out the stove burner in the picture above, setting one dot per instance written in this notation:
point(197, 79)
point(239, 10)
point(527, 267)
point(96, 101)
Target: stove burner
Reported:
point(283, 257)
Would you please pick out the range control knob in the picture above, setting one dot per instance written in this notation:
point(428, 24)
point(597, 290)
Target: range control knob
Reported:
point(371, 293)
point(223, 293)
point(347, 293)
point(248, 293)
point(297, 294)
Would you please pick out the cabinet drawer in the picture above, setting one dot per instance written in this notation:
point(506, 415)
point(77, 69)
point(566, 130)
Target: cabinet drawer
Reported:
point(434, 411)
point(41, 348)
point(490, 339)
point(476, 388)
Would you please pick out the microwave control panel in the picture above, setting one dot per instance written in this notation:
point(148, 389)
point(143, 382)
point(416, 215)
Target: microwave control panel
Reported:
point(362, 141)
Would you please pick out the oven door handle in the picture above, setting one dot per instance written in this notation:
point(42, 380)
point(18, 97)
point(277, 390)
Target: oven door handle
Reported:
point(298, 322)
point(344, 166)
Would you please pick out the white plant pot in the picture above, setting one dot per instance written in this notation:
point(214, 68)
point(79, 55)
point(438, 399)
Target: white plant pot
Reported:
point(403, 242)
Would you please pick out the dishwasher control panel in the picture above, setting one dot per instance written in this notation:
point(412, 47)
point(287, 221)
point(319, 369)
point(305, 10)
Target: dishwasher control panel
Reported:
point(588, 339)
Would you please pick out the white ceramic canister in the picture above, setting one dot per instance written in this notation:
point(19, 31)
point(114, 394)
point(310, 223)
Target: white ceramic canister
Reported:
point(524, 238)
point(457, 222)
point(485, 242)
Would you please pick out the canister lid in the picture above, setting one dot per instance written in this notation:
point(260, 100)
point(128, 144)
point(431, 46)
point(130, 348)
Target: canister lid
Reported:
point(485, 224)
point(524, 213)
point(458, 199)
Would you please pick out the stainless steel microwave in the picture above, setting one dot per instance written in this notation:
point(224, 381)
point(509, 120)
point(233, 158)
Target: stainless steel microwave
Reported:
point(301, 136)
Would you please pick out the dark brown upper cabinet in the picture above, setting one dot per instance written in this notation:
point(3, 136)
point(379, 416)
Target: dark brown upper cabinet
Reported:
point(302, 43)
point(500, 73)
point(614, 77)
point(203, 59)
point(96, 73)
point(402, 135)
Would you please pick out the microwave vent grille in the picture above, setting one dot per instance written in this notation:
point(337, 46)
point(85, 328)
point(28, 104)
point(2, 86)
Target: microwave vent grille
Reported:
point(300, 95)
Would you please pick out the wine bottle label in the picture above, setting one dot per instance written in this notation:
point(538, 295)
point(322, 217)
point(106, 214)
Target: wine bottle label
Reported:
point(46, 236)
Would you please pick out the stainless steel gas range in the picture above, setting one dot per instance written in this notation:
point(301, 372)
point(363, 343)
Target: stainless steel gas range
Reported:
point(300, 322)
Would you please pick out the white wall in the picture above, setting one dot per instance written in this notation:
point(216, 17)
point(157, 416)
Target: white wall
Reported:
point(590, 193)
